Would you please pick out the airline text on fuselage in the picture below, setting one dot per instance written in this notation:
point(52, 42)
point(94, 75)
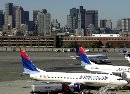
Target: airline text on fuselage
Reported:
point(88, 77)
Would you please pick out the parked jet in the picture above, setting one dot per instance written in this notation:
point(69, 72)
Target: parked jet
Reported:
point(88, 65)
point(127, 56)
point(96, 58)
point(72, 79)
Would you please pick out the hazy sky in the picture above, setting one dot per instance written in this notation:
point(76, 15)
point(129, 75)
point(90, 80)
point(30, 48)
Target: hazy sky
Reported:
point(107, 9)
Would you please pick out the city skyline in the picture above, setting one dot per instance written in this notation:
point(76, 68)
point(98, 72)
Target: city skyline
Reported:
point(59, 9)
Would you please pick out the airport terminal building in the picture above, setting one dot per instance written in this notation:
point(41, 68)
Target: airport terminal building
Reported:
point(65, 41)
point(28, 41)
point(114, 42)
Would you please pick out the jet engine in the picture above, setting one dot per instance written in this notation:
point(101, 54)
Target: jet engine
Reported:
point(76, 87)
point(126, 76)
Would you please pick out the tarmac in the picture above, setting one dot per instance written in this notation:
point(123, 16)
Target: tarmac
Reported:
point(13, 82)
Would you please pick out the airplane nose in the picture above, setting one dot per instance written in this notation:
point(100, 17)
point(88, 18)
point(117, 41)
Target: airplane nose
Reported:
point(31, 78)
point(125, 82)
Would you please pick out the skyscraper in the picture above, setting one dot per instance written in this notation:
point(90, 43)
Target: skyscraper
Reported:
point(69, 22)
point(31, 26)
point(79, 20)
point(103, 23)
point(44, 23)
point(8, 17)
point(81, 15)
point(119, 25)
point(55, 24)
point(35, 12)
point(109, 24)
point(76, 18)
point(73, 12)
point(91, 17)
point(19, 17)
point(8, 12)
point(26, 17)
point(125, 25)
point(1, 19)
point(1, 11)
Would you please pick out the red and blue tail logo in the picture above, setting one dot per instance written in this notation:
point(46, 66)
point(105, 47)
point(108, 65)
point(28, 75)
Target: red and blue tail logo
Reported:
point(83, 57)
point(29, 67)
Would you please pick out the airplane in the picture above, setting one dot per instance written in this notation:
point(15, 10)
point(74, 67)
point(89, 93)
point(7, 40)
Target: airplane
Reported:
point(110, 69)
point(73, 79)
point(96, 58)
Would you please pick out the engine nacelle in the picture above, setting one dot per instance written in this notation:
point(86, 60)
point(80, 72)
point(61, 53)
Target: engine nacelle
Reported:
point(126, 76)
point(76, 87)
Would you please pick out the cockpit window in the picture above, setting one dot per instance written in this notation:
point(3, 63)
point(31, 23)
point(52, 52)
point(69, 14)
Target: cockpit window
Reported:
point(120, 79)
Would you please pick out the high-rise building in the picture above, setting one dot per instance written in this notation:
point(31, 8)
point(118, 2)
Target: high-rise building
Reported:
point(26, 17)
point(1, 11)
point(76, 18)
point(72, 22)
point(125, 25)
point(81, 16)
point(55, 24)
point(14, 16)
point(119, 25)
point(91, 17)
point(19, 17)
point(10, 21)
point(55, 27)
point(79, 20)
point(31, 26)
point(73, 18)
point(73, 12)
point(44, 23)
point(35, 12)
point(1, 19)
point(8, 17)
point(8, 12)
point(109, 24)
point(69, 22)
point(103, 23)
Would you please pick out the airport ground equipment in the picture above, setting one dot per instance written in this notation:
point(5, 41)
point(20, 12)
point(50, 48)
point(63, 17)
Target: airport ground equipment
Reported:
point(43, 88)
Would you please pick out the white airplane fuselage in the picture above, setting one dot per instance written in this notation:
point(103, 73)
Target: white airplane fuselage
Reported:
point(107, 68)
point(82, 78)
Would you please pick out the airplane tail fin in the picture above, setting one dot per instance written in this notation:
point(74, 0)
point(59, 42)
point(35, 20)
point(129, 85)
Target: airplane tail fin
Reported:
point(84, 59)
point(29, 67)
point(128, 54)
